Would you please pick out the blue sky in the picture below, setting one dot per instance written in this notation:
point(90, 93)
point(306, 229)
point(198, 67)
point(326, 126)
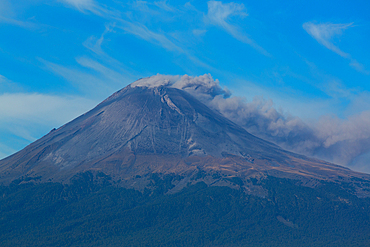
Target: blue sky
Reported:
point(59, 58)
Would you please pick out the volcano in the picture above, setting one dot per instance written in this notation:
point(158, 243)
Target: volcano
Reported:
point(154, 166)
point(148, 128)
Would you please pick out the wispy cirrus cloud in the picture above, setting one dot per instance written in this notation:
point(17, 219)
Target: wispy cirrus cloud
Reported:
point(5, 150)
point(160, 39)
point(110, 76)
point(133, 25)
point(358, 66)
point(82, 5)
point(143, 32)
point(219, 15)
point(8, 16)
point(94, 44)
point(36, 107)
point(324, 33)
point(90, 77)
point(90, 6)
point(19, 23)
point(27, 116)
point(8, 86)
point(164, 5)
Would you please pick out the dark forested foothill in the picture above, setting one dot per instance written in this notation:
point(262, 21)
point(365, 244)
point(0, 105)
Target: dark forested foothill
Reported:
point(91, 211)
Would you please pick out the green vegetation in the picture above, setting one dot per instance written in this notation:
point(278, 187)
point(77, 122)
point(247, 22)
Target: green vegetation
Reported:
point(92, 212)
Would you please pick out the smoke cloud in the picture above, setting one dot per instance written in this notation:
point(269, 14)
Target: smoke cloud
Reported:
point(344, 142)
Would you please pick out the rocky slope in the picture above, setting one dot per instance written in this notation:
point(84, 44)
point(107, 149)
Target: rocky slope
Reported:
point(141, 130)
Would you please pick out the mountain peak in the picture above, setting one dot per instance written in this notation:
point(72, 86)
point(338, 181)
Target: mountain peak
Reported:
point(201, 84)
point(156, 125)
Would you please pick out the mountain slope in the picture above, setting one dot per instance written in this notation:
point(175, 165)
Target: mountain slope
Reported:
point(141, 130)
point(153, 166)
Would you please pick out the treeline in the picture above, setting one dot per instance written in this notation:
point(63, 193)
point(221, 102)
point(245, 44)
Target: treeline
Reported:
point(92, 212)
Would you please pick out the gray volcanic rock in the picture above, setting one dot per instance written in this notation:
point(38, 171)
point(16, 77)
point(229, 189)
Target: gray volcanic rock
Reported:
point(141, 130)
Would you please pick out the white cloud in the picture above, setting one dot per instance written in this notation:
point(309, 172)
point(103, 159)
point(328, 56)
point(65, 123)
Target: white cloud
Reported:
point(131, 23)
point(219, 14)
point(199, 32)
point(15, 22)
point(81, 4)
point(7, 85)
point(148, 9)
point(6, 9)
point(5, 150)
point(98, 81)
point(143, 32)
point(359, 67)
point(8, 16)
point(325, 32)
point(110, 76)
point(90, 6)
point(159, 39)
point(85, 82)
point(41, 108)
point(95, 44)
point(164, 5)
point(28, 116)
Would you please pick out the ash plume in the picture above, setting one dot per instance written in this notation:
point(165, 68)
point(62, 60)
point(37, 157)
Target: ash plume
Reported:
point(344, 142)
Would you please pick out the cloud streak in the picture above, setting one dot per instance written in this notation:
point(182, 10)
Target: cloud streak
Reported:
point(15, 22)
point(92, 6)
point(94, 44)
point(8, 16)
point(130, 25)
point(135, 28)
point(324, 33)
point(41, 108)
point(219, 14)
point(7, 85)
point(143, 32)
point(98, 81)
point(28, 116)
point(160, 39)
point(84, 5)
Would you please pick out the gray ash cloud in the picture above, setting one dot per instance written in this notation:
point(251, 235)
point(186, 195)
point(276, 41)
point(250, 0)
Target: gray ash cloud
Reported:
point(345, 142)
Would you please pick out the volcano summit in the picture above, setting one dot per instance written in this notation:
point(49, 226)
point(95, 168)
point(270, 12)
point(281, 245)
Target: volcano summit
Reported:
point(156, 126)
point(154, 166)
